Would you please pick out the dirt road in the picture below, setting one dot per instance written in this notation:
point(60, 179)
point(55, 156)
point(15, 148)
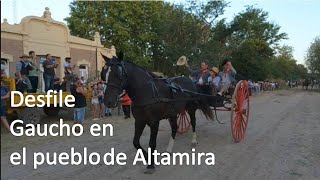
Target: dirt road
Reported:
point(282, 142)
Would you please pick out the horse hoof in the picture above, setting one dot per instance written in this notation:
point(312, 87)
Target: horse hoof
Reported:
point(150, 171)
point(194, 144)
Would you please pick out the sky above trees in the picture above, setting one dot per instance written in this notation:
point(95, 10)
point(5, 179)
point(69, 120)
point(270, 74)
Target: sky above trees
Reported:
point(297, 18)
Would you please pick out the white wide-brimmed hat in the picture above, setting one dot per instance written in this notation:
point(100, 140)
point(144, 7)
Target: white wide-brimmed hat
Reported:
point(182, 61)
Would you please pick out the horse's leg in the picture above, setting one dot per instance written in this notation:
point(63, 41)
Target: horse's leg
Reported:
point(154, 127)
point(192, 114)
point(174, 127)
point(139, 127)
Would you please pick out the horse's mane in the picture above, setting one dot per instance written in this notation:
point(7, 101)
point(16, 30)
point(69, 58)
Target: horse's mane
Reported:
point(153, 75)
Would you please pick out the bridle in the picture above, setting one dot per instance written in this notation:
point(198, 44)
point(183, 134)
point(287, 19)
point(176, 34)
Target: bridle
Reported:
point(121, 74)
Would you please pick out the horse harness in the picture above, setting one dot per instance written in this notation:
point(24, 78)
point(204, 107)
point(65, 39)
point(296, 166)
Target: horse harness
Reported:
point(174, 88)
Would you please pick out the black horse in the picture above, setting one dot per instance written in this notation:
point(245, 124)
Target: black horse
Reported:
point(153, 99)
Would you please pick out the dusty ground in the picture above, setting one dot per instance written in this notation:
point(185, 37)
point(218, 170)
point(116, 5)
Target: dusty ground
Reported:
point(282, 142)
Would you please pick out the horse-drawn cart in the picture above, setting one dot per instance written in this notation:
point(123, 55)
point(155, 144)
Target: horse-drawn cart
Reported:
point(155, 98)
point(239, 105)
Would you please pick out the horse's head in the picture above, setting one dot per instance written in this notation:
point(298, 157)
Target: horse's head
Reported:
point(115, 76)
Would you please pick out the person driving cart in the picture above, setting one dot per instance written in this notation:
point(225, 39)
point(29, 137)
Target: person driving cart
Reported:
point(227, 77)
point(201, 77)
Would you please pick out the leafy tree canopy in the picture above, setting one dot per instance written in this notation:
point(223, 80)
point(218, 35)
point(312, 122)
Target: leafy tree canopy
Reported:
point(156, 34)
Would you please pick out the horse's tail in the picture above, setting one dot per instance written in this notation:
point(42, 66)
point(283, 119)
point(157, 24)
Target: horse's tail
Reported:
point(205, 108)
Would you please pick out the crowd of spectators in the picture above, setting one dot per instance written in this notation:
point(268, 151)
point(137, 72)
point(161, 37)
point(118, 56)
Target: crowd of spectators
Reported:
point(260, 86)
point(28, 78)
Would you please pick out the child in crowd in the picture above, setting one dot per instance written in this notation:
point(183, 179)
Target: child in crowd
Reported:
point(95, 102)
point(107, 111)
point(100, 97)
point(21, 85)
point(126, 104)
point(5, 94)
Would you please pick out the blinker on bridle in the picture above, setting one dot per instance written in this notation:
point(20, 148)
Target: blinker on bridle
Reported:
point(121, 73)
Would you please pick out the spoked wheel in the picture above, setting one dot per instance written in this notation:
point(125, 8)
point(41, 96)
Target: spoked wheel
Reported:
point(240, 111)
point(183, 121)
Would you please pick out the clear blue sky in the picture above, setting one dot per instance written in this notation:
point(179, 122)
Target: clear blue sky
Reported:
point(300, 19)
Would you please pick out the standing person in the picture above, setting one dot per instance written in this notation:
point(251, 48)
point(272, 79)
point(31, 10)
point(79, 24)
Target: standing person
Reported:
point(95, 102)
point(126, 104)
point(201, 77)
point(5, 94)
point(68, 71)
point(79, 93)
point(48, 74)
point(23, 68)
point(34, 73)
point(101, 103)
point(227, 76)
point(21, 86)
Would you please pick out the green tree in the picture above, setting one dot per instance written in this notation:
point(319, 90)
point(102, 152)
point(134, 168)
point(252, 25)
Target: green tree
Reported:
point(313, 56)
point(284, 66)
point(252, 42)
point(127, 25)
point(156, 34)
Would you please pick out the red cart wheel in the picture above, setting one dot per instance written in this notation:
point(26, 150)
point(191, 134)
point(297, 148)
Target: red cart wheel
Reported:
point(240, 111)
point(183, 121)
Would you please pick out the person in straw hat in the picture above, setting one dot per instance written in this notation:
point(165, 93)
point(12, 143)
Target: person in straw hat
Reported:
point(214, 79)
point(23, 68)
